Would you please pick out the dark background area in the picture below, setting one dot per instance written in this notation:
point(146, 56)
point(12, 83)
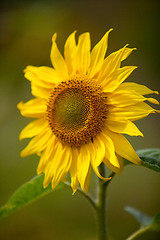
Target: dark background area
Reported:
point(26, 28)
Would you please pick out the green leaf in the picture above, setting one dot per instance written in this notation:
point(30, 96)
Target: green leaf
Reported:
point(143, 219)
point(150, 158)
point(147, 223)
point(156, 223)
point(27, 193)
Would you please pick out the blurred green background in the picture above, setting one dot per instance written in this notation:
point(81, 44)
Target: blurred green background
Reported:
point(26, 28)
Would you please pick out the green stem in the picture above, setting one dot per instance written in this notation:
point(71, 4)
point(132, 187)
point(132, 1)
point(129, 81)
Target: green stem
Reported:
point(138, 233)
point(107, 182)
point(101, 208)
point(99, 204)
point(87, 196)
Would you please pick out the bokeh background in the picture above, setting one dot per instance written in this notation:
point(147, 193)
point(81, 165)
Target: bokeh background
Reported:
point(26, 28)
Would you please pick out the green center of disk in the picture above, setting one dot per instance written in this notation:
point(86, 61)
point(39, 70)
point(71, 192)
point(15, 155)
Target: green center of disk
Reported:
point(71, 109)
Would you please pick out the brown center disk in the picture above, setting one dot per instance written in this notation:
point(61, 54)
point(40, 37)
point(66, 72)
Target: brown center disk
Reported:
point(76, 110)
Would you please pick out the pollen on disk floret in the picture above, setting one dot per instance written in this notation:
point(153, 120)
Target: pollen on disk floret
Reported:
point(76, 110)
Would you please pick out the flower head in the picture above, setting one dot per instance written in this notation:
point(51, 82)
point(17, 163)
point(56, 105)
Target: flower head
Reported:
point(82, 107)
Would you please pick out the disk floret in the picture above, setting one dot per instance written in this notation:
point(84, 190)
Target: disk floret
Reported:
point(76, 110)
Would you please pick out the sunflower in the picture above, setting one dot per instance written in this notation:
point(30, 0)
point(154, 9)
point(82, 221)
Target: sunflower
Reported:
point(82, 109)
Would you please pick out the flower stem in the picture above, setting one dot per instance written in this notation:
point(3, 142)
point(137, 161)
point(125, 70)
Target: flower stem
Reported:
point(100, 204)
point(88, 197)
point(101, 208)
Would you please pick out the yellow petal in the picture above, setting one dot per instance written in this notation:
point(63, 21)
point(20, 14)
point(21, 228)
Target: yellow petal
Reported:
point(46, 155)
point(152, 100)
point(57, 60)
point(56, 158)
point(38, 143)
point(74, 170)
point(62, 167)
point(93, 156)
point(83, 165)
point(87, 181)
point(111, 63)
point(83, 53)
point(99, 147)
point(33, 128)
point(112, 167)
point(125, 98)
point(40, 88)
point(125, 127)
point(35, 108)
point(116, 78)
point(123, 147)
point(132, 113)
point(47, 166)
point(127, 52)
point(57, 165)
point(40, 92)
point(141, 89)
point(98, 54)
point(70, 50)
point(110, 150)
point(45, 77)
point(122, 97)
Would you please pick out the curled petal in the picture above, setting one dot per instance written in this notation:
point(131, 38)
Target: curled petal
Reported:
point(93, 155)
point(123, 147)
point(117, 170)
point(125, 127)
